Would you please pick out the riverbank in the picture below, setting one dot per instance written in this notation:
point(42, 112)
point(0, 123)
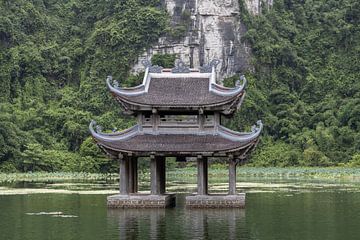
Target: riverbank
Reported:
point(219, 172)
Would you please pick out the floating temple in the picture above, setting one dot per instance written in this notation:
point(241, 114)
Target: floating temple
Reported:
point(178, 114)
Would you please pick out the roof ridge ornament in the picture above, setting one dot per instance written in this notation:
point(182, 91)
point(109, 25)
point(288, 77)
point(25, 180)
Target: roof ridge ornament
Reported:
point(115, 83)
point(257, 127)
point(98, 128)
point(208, 67)
point(180, 67)
point(152, 68)
point(240, 82)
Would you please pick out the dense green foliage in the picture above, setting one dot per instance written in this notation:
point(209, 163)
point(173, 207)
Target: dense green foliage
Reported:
point(164, 60)
point(305, 85)
point(54, 56)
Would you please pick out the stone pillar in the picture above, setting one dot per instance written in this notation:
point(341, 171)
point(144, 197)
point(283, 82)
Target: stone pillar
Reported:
point(232, 176)
point(133, 175)
point(202, 177)
point(157, 166)
point(124, 175)
point(162, 165)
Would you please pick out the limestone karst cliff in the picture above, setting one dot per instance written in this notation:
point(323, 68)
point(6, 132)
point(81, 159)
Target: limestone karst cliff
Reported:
point(213, 29)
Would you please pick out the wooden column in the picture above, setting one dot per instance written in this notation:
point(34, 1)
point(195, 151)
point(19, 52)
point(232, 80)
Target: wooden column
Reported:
point(133, 175)
point(202, 177)
point(124, 175)
point(232, 176)
point(157, 166)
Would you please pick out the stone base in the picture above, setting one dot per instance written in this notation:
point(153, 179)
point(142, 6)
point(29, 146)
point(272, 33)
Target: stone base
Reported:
point(141, 201)
point(216, 201)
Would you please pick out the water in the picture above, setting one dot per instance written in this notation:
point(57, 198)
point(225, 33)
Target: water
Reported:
point(312, 212)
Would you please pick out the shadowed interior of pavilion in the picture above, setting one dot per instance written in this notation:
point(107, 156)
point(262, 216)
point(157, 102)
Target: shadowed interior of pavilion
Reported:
point(178, 115)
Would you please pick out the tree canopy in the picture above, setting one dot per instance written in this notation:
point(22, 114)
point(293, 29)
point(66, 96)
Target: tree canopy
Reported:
point(54, 56)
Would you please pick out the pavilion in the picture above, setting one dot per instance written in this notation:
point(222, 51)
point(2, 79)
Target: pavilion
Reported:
point(178, 114)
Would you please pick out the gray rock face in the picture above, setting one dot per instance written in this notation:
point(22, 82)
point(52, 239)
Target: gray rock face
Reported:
point(255, 6)
point(213, 30)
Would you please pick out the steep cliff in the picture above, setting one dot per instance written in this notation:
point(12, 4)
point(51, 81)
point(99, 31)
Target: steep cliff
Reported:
point(212, 29)
point(255, 6)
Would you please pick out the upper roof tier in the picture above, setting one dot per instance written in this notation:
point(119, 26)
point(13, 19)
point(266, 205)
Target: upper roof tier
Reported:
point(179, 89)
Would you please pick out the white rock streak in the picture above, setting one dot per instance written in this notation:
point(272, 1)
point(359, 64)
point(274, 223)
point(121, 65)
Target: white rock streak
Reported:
point(215, 31)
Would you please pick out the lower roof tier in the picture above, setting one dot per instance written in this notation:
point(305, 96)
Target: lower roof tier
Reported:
point(220, 142)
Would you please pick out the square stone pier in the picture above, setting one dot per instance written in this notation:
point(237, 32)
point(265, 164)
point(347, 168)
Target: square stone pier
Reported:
point(158, 198)
point(129, 196)
point(216, 201)
point(141, 201)
point(204, 200)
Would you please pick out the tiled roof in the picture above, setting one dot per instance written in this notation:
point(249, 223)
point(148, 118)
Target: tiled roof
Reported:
point(179, 91)
point(136, 140)
point(173, 143)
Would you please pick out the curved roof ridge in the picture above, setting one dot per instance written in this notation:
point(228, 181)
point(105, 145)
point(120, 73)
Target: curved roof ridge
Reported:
point(241, 136)
point(116, 136)
point(131, 91)
point(226, 91)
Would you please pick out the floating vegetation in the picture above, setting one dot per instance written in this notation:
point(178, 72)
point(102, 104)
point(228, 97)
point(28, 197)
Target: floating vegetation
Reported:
point(188, 175)
point(55, 177)
point(184, 180)
point(341, 173)
point(25, 191)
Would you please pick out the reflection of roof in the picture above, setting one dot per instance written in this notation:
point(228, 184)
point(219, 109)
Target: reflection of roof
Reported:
point(132, 140)
point(178, 90)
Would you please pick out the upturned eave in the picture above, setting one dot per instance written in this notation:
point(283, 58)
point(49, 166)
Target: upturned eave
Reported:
point(134, 141)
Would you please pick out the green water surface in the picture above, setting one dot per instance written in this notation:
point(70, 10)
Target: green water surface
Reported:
point(309, 213)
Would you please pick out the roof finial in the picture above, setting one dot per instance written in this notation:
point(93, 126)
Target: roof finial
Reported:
point(180, 67)
point(208, 67)
point(257, 127)
point(98, 128)
point(116, 84)
point(146, 63)
point(152, 68)
point(241, 82)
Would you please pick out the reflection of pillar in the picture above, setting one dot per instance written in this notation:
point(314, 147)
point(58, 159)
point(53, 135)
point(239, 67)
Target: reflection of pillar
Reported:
point(200, 223)
point(157, 166)
point(138, 223)
point(232, 176)
point(202, 177)
point(154, 226)
point(232, 223)
point(124, 175)
point(133, 175)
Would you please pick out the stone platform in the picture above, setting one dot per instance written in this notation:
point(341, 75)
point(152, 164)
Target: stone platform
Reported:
point(141, 201)
point(216, 201)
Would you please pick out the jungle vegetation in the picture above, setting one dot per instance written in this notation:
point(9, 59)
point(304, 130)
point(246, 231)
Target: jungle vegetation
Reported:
point(55, 55)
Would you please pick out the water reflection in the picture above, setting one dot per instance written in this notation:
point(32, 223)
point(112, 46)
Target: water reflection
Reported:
point(137, 223)
point(217, 223)
point(179, 223)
